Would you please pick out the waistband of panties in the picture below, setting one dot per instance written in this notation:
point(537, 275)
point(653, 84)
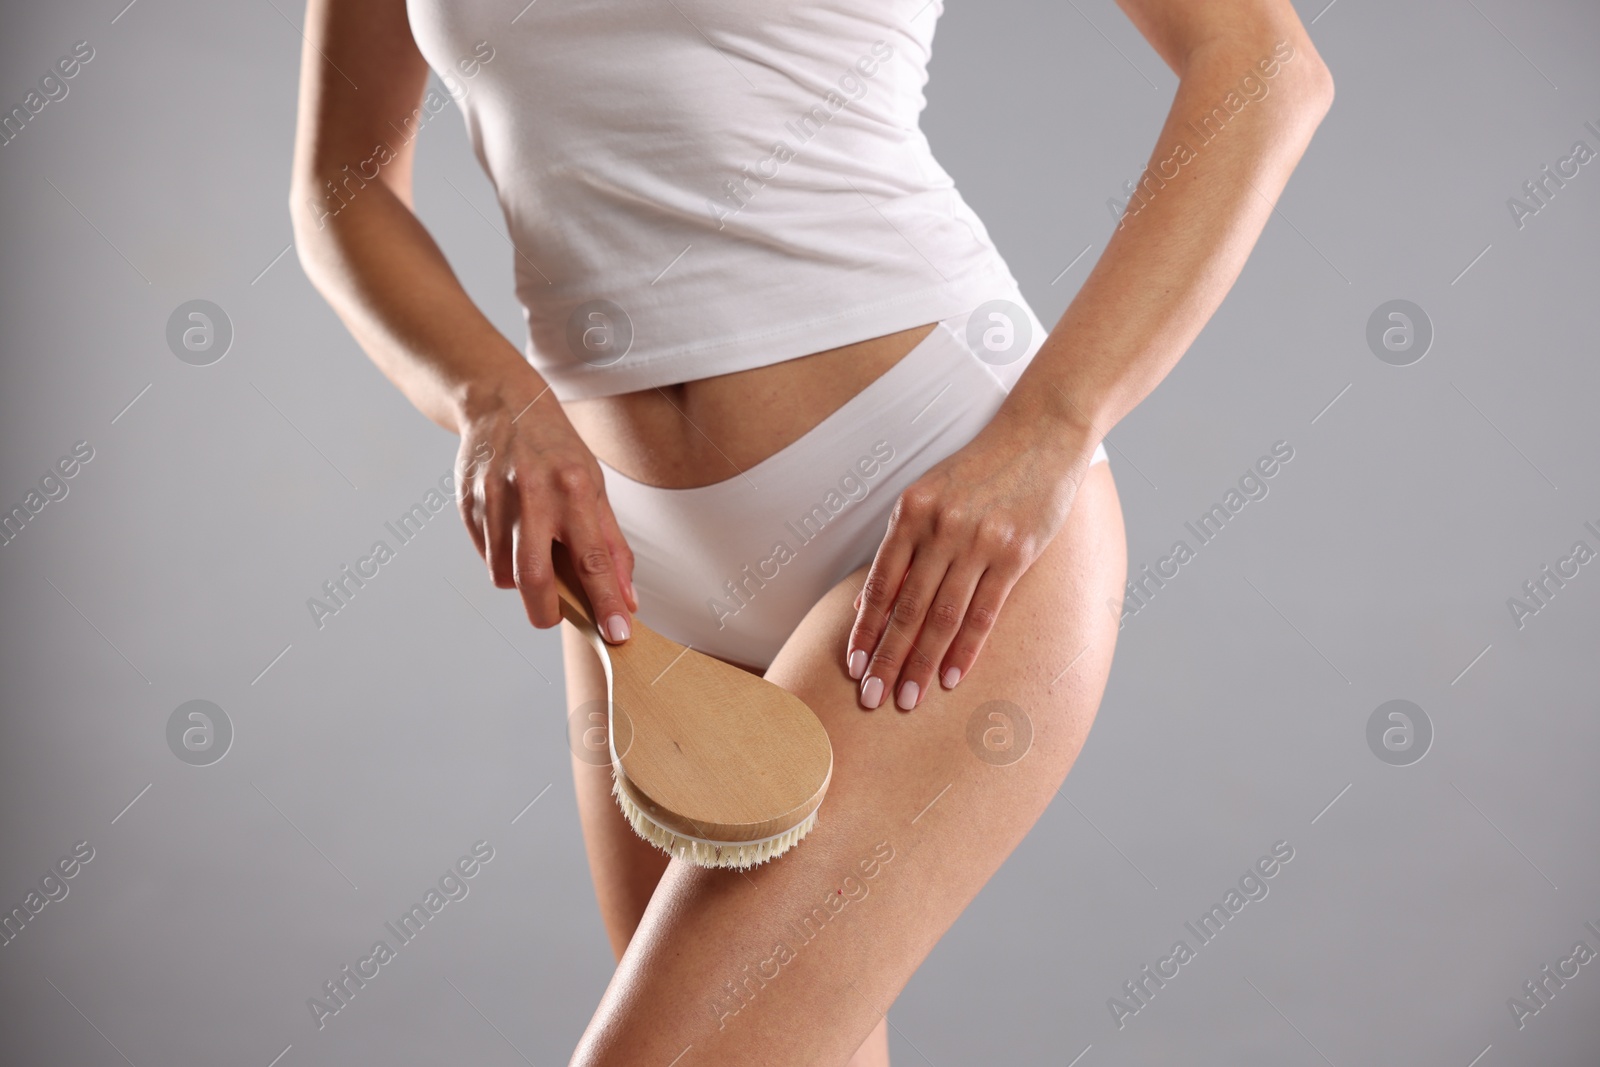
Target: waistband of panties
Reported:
point(942, 360)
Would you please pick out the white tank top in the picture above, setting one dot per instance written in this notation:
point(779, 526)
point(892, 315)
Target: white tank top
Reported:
point(696, 187)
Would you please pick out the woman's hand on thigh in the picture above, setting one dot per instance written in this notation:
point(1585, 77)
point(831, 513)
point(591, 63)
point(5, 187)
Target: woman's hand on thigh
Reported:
point(958, 540)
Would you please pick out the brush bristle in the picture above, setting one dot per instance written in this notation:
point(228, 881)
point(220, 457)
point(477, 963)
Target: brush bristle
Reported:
point(703, 853)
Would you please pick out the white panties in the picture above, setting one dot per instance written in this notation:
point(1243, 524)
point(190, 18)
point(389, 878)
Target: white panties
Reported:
point(731, 568)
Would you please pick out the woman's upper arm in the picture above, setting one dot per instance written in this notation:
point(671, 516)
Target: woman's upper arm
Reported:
point(361, 76)
point(1177, 29)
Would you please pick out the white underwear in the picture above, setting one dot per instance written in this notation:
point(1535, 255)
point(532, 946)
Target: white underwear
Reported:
point(731, 568)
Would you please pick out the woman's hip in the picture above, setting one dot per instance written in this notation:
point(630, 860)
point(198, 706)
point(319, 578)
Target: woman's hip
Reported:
point(732, 567)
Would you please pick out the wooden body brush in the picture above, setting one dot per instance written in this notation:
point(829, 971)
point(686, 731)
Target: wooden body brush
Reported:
point(714, 765)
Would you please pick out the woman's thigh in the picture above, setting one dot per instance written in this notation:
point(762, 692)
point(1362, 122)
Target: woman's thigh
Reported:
point(794, 962)
point(624, 866)
point(625, 869)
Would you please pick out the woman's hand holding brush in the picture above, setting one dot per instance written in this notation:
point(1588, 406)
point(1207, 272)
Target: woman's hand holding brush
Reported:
point(527, 479)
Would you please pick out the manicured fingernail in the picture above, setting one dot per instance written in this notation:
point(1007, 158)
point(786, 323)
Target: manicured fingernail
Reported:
point(617, 628)
point(872, 693)
point(952, 675)
point(858, 664)
point(908, 696)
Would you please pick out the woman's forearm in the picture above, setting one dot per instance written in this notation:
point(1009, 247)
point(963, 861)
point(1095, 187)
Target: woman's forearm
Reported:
point(1182, 240)
point(388, 281)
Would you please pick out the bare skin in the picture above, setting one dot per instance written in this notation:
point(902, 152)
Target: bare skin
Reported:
point(654, 436)
point(994, 575)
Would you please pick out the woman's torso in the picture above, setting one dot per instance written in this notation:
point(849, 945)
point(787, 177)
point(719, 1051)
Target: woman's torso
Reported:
point(726, 218)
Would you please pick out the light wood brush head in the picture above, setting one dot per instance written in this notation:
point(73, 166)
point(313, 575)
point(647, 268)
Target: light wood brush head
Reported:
point(712, 763)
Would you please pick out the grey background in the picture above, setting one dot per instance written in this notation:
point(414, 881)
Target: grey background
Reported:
point(427, 715)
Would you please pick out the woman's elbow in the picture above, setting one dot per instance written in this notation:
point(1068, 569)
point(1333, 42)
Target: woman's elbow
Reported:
point(1319, 90)
point(307, 214)
point(308, 222)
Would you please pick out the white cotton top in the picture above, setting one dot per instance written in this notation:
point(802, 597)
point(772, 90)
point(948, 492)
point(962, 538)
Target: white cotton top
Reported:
point(696, 187)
